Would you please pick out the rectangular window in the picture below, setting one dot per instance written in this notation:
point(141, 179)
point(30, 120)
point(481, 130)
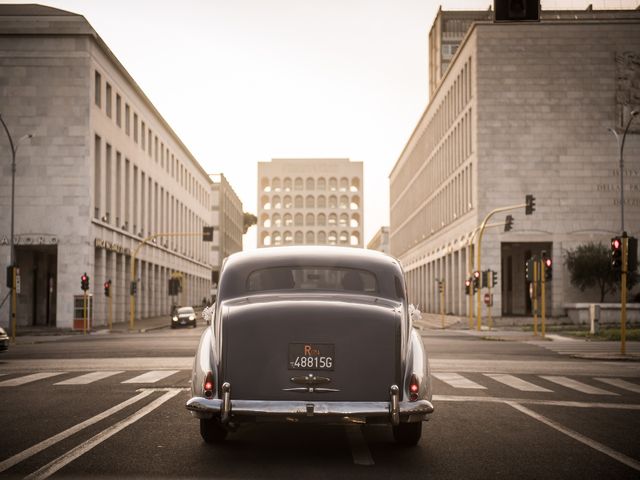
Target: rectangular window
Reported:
point(108, 183)
point(155, 148)
point(118, 110)
point(135, 127)
point(127, 119)
point(97, 177)
point(149, 142)
point(142, 203)
point(98, 89)
point(127, 193)
point(142, 135)
point(108, 100)
point(118, 189)
point(135, 201)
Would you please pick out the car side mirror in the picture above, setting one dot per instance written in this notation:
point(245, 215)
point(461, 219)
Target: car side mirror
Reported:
point(207, 313)
point(414, 313)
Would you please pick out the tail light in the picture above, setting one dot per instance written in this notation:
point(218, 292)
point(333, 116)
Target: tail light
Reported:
point(208, 385)
point(414, 388)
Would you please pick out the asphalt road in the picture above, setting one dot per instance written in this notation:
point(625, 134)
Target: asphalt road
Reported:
point(113, 406)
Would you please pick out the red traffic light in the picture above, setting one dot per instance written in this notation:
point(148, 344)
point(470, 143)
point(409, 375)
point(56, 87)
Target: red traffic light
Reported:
point(616, 243)
point(547, 262)
point(476, 274)
point(467, 282)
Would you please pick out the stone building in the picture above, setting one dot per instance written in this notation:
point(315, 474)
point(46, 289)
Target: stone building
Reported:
point(102, 172)
point(310, 202)
point(380, 241)
point(522, 108)
point(228, 222)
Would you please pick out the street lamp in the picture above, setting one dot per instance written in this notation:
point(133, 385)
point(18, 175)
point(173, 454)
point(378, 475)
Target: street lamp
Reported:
point(621, 149)
point(14, 150)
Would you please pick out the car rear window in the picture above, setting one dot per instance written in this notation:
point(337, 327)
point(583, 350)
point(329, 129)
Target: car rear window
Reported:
point(185, 310)
point(312, 278)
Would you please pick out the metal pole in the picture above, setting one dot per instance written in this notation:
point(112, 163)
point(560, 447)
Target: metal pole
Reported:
point(543, 295)
point(535, 296)
point(623, 295)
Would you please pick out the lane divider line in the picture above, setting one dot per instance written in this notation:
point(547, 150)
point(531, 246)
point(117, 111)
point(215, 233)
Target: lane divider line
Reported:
point(38, 447)
point(63, 460)
point(620, 457)
point(532, 401)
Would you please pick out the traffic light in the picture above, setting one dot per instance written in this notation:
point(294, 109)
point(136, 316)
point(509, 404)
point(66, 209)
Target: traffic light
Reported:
point(530, 207)
point(207, 234)
point(616, 255)
point(632, 256)
point(107, 288)
point(476, 280)
point(133, 288)
point(516, 10)
point(494, 278)
point(485, 278)
point(528, 270)
point(84, 282)
point(548, 265)
point(440, 286)
point(508, 223)
point(467, 286)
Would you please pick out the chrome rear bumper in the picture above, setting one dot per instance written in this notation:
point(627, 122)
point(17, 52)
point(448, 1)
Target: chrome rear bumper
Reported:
point(394, 411)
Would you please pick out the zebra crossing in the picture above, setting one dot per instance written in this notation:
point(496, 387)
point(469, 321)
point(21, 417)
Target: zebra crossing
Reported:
point(574, 347)
point(459, 381)
point(146, 378)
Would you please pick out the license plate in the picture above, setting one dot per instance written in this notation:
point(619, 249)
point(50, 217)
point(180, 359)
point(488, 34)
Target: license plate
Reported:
point(311, 356)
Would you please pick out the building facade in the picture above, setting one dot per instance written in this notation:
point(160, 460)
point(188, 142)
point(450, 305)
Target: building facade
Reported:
point(228, 223)
point(380, 241)
point(310, 202)
point(522, 108)
point(104, 182)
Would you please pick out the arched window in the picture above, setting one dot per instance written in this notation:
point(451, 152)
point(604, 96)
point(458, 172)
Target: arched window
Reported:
point(344, 238)
point(277, 220)
point(287, 201)
point(310, 220)
point(265, 221)
point(310, 202)
point(264, 184)
point(355, 239)
point(276, 185)
point(333, 219)
point(344, 202)
point(355, 184)
point(344, 184)
point(299, 202)
point(355, 220)
point(344, 220)
point(355, 202)
point(276, 239)
point(265, 239)
point(333, 238)
point(288, 237)
point(322, 201)
point(298, 220)
point(298, 183)
point(287, 220)
point(322, 183)
point(333, 201)
point(311, 238)
point(333, 184)
point(298, 238)
point(286, 184)
point(322, 238)
point(266, 204)
point(322, 219)
point(310, 183)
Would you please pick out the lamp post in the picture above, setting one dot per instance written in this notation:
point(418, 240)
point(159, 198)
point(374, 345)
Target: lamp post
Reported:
point(625, 240)
point(14, 150)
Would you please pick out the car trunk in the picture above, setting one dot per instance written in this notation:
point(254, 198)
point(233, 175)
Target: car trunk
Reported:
point(275, 346)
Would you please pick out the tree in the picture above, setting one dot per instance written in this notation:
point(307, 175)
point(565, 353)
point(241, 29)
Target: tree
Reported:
point(589, 266)
point(249, 219)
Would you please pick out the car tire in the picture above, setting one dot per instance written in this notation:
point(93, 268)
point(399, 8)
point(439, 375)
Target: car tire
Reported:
point(408, 434)
point(212, 431)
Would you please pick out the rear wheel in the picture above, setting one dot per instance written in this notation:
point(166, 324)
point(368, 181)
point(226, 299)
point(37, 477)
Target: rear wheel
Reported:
point(408, 434)
point(212, 430)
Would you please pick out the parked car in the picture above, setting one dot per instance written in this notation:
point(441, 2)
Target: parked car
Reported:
point(318, 334)
point(183, 316)
point(4, 340)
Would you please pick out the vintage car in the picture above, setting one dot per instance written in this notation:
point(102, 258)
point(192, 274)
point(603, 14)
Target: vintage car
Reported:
point(311, 334)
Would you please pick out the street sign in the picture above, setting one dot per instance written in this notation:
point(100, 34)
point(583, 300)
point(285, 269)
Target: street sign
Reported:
point(488, 299)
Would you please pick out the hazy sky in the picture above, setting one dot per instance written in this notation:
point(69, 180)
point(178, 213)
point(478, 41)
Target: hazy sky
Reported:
point(243, 81)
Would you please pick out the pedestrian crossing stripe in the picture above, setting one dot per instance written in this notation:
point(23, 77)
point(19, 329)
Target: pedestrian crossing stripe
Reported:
point(89, 378)
point(517, 383)
point(14, 382)
point(576, 385)
point(457, 381)
point(619, 383)
point(151, 377)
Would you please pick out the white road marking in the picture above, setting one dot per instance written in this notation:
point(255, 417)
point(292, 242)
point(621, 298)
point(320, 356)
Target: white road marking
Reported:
point(359, 449)
point(620, 457)
point(63, 460)
point(37, 448)
point(14, 382)
point(533, 401)
point(89, 378)
point(516, 382)
point(576, 385)
point(456, 380)
point(151, 377)
point(623, 384)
